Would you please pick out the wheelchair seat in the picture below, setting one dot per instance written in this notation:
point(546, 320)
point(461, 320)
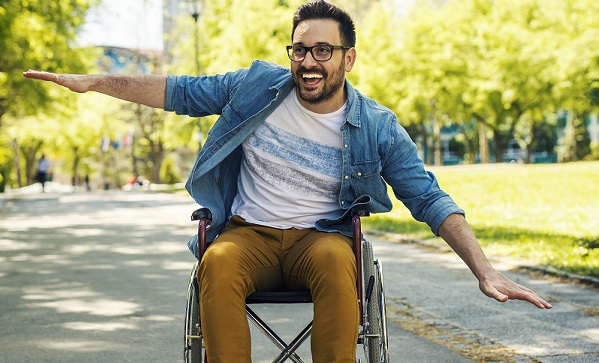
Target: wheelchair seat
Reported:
point(279, 297)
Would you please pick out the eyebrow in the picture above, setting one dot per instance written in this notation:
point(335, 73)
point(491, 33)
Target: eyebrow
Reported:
point(317, 43)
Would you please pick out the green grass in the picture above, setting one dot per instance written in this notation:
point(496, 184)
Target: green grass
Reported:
point(545, 214)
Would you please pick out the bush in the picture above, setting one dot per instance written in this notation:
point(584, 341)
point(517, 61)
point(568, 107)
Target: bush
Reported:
point(169, 172)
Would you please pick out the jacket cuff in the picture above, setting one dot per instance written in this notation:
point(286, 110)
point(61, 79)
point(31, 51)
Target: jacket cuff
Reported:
point(442, 214)
point(169, 104)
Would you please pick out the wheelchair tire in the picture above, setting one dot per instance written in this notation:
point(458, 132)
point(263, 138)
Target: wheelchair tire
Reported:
point(193, 348)
point(375, 330)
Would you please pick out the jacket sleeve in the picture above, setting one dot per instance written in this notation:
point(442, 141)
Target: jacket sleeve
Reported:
point(200, 96)
point(415, 187)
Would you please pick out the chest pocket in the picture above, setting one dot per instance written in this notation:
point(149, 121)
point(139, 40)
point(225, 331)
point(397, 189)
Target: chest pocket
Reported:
point(366, 177)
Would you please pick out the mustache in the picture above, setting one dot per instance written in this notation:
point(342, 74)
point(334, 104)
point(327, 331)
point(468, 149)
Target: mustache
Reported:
point(311, 70)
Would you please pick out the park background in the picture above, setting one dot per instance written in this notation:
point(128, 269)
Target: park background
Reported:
point(501, 98)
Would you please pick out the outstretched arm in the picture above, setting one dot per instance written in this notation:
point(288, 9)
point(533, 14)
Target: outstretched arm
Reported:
point(458, 234)
point(147, 89)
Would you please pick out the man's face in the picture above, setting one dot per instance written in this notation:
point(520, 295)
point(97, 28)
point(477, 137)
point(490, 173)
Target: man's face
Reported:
point(320, 85)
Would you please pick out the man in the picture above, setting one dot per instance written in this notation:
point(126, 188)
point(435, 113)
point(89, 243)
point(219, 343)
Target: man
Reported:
point(291, 154)
point(43, 165)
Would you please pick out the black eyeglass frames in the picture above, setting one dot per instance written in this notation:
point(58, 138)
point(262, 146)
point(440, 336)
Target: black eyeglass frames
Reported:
point(320, 52)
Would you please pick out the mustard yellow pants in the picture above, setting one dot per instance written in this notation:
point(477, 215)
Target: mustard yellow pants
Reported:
point(246, 258)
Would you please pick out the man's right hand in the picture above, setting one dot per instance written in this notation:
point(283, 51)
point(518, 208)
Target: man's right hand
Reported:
point(74, 82)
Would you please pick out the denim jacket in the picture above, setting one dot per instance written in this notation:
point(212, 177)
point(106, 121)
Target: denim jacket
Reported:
point(376, 151)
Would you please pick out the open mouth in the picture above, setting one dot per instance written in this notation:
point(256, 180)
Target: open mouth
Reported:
point(312, 78)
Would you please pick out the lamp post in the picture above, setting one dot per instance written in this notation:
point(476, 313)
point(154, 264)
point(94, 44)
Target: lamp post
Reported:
point(195, 6)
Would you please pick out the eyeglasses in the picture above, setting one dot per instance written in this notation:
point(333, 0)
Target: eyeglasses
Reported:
point(320, 53)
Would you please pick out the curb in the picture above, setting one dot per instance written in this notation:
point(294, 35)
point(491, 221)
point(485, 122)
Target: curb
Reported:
point(587, 280)
point(552, 271)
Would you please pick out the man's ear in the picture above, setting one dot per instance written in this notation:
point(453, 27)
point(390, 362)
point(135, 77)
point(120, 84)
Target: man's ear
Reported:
point(350, 59)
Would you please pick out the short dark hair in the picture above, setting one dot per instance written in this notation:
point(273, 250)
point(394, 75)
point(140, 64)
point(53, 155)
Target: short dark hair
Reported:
point(320, 9)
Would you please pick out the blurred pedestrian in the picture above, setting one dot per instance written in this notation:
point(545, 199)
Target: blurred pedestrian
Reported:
point(43, 165)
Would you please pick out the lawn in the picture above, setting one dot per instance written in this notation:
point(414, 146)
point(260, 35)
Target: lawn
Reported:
point(546, 214)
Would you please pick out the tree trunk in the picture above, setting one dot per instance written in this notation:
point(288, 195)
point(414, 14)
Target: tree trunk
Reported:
point(437, 148)
point(132, 147)
point(426, 150)
point(528, 156)
point(483, 145)
point(75, 172)
point(116, 169)
point(16, 160)
point(498, 150)
point(157, 159)
point(534, 131)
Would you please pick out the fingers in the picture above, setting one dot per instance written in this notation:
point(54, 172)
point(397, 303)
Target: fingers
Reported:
point(534, 299)
point(75, 83)
point(45, 76)
point(504, 289)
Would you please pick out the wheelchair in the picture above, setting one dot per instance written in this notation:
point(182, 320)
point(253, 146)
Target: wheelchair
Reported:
point(371, 301)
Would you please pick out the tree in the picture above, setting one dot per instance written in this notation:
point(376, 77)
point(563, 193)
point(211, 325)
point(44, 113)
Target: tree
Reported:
point(35, 34)
point(236, 32)
point(429, 66)
point(502, 63)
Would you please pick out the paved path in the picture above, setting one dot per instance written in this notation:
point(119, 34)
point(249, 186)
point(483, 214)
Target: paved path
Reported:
point(102, 277)
point(436, 289)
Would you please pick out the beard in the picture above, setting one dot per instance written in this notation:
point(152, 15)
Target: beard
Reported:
point(329, 85)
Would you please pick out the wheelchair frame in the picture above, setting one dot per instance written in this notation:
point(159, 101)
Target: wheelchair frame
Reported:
point(370, 292)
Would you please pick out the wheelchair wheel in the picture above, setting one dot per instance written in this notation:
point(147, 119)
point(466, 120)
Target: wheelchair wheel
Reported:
point(193, 348)
point(375, 329)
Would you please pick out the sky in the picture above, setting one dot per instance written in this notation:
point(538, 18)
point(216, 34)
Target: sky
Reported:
point(134, 24)
point(124, 23)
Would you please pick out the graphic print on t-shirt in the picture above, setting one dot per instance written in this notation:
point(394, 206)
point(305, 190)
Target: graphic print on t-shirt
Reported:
point(304, 166)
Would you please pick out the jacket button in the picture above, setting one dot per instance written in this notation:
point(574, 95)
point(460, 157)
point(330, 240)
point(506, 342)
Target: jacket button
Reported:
point(345, 146)
point(359, 174)
point(346, 177)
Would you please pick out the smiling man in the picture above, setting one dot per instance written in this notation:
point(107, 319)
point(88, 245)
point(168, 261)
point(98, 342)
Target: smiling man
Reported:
point(319, 60)
point(293, 152)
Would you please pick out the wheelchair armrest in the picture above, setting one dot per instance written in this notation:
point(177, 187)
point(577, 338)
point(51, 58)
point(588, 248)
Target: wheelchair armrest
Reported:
point(361, 211)
point(201, 213)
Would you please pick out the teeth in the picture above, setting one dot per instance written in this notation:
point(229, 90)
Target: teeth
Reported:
point(312, 75)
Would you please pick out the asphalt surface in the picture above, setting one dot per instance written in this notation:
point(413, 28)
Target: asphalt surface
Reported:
point(102, 277)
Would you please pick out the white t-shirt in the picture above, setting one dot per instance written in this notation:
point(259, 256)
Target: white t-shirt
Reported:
point(291, 171)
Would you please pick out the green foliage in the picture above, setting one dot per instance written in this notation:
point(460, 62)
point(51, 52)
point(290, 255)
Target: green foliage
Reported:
point(545, 214)
point(236, 32)
point(169, 172)
point(35, 34)
point(589, 242)
point(593, 92)
point(497, 69)
point(5, 163)
point(507, 64)
point(376, 73)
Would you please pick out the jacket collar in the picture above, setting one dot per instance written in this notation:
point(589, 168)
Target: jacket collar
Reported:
point(352, 116)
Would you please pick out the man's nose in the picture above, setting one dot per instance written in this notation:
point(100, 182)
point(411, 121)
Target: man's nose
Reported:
point(309, 60)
